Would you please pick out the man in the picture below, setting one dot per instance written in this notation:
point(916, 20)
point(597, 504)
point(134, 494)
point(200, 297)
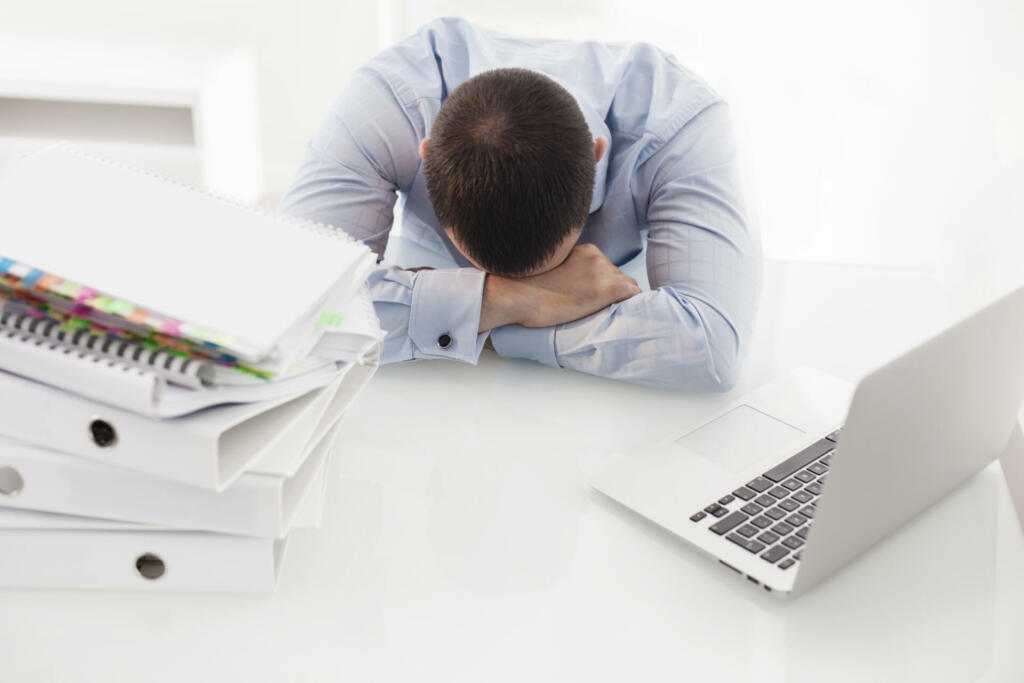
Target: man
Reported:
point(537, 166)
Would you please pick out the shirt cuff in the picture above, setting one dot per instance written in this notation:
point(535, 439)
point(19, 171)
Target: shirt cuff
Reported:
point(445, 316)
point(534, 343)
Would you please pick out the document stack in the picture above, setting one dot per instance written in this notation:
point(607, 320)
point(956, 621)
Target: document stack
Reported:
point(173, 370)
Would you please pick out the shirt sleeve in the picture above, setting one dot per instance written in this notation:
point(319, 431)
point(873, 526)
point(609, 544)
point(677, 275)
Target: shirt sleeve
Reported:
point(366, 151)
point(692, 329)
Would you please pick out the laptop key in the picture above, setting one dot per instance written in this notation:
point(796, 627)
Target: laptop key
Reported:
point(755, 546)
point(768, 537)
point(805, 476)
point(796, 520)
point(748, 544)
point(725, 500)
point(716, 510)
point(793, 542)
point(802, 532)
point(817, 468)
point(699, 516)
point(775, 513)
point(752, 509)
point(764, 500)
point(808, 455)
point(827, 460)
point(761, 522)
point(747, 530)
point(743, 493)
point(834, 436)
point(814, 488)
point(774, 554)
point(807, 511)
point(760, 484)
point(782, 529)
point(789, 505)
point(792, 484)
point(779, 492)
point(802, 497)
point(786, 563)
point(727, 523)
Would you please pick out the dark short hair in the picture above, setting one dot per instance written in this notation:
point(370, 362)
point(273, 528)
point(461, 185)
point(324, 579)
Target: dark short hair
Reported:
point(510, 168)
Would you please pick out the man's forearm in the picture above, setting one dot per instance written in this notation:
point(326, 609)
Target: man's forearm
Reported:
point(585, 283)
point(504, 302)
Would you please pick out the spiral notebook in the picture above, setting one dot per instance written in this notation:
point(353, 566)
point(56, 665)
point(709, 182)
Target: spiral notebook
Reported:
point(168, 258)
point(154, 383)
point(350, 336)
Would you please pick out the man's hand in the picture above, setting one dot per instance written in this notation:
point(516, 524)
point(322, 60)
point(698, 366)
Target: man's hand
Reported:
point(585, 283)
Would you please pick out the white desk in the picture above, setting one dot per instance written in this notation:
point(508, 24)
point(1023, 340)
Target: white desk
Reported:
point(462, 543)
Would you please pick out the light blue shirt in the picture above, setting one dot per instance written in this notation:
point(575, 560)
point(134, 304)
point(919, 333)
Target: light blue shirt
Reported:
point(669, 175)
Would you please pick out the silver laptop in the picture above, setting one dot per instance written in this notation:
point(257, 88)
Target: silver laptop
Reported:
point(793, 481)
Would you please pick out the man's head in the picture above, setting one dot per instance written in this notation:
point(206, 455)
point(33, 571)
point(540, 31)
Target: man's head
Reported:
point(509, 169)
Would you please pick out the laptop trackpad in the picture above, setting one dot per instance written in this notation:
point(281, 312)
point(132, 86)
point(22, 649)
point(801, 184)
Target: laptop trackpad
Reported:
point(739, 438)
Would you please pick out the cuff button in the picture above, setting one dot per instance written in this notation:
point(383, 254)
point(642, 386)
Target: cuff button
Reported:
point(444, 341)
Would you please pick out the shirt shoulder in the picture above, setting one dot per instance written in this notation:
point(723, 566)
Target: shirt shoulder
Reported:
point(423, 65)
point(639, 92)
point(656, 95)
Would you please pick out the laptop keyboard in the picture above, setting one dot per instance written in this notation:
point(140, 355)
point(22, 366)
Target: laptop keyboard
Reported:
point(771, 515)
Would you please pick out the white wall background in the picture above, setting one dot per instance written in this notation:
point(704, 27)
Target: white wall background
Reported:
point(303, 50)
point(873, 132)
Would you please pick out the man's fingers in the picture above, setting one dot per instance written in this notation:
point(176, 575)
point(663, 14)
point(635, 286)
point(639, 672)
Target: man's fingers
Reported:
point(632, 287)
point(624, 288)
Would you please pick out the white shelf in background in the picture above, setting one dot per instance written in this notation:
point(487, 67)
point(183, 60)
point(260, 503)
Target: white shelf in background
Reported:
point(166, 102)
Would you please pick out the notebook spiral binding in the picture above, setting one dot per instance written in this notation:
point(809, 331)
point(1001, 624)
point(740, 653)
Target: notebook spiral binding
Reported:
point(173, 368)
point(294, 221)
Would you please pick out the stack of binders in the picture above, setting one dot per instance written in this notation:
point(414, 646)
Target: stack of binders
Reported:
point(168, 424)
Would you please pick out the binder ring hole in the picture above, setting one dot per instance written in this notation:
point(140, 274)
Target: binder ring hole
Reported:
point(150, 566)
point(11, 482)
point(103, 433)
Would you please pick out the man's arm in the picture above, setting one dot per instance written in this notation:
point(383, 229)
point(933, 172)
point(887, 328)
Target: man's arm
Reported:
point(363, 153)
point(586, 283)
point(704, 266)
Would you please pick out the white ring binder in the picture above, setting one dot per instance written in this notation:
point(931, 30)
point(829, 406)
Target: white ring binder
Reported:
point(150, 566)
point(11, 482)
point(103, 433)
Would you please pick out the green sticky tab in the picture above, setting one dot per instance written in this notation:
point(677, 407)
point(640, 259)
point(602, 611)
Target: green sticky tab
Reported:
point(330, 319)
point(120, 307)
point(100, 303)
point(67, 288)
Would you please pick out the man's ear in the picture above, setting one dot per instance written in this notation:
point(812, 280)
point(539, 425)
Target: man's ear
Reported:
point(600, 147)
point(423, 148)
